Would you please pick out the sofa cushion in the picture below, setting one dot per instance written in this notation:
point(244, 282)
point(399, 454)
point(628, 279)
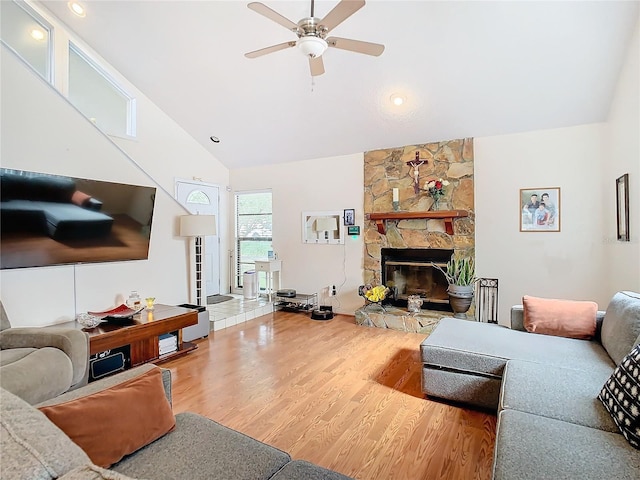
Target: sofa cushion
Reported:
point(110, 381)
point(621, 396)
point(202, 449)
point(564, 318)
point(621, 325)
point(10, 355)
point(39, 375)
point(93, 472)
point(31, 446)
point(483, 349)
point(472, 389)
point(124, 418)
point(4, 318)
point(532, 447)
point(562, 393)
point(301, 470)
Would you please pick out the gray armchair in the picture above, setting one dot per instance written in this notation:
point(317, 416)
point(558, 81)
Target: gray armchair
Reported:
point(37, 364)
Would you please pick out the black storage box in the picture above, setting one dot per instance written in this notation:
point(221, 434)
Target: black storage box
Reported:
point(108, 362)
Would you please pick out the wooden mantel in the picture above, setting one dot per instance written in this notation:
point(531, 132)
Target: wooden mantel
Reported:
point(446, 215)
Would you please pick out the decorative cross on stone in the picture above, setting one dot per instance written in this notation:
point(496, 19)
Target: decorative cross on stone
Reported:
point(415, 163)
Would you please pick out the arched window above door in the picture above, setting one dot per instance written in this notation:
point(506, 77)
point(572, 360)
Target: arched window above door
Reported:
point(198, 197)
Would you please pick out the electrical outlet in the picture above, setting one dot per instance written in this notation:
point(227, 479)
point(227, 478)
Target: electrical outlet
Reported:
point(333, 290)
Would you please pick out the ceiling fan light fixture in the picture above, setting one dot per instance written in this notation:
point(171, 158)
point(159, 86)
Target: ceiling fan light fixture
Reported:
point(311, 46)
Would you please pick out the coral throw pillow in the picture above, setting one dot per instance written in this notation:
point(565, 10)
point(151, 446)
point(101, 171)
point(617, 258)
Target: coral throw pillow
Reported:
point(117, 421)
point(80, 198)
point(563, 318)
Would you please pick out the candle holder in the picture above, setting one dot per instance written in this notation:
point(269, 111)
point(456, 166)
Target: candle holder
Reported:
point(396, 206)
point(150, 302)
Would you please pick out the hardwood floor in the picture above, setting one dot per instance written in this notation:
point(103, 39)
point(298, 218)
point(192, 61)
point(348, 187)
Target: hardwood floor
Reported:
point(343, 396)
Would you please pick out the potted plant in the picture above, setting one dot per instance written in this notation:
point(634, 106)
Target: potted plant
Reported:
point(461, 276)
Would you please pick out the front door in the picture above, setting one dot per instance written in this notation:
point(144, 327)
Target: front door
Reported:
point(202, 198)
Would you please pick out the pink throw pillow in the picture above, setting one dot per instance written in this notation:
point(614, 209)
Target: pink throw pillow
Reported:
point(563, 318)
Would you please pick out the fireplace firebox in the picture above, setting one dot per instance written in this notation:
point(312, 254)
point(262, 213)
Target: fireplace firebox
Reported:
point(410, 271)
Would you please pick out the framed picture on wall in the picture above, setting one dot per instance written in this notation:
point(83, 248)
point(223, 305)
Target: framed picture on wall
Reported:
point(540, 209)
point(349, 216)
point(622, 207)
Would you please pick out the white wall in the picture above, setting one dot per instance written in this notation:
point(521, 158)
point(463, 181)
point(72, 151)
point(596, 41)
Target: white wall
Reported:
point(623, 156)
point(42, 132)
point(324, 184)
point(568, 264)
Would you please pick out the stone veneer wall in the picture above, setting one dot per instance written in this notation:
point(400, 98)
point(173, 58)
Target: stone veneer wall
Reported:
point(387, 169)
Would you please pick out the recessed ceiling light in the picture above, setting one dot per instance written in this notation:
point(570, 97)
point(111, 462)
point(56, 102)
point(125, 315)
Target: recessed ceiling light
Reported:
point(77, 8)
point(398, 99)
point(214, 139)
point(37, 34)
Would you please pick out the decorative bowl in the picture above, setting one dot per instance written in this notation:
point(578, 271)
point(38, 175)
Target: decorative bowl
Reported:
point(87, 320)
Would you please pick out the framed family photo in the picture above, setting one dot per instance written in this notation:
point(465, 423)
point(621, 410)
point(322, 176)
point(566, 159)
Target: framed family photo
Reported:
point(622, 207)
point(540, 209)
point(349, 216)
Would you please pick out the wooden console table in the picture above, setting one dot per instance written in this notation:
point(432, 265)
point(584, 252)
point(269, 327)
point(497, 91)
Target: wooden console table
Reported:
point(142, 334)
point(446, 215)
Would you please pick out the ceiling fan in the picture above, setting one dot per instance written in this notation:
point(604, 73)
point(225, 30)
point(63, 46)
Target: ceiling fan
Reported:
point(312, 34)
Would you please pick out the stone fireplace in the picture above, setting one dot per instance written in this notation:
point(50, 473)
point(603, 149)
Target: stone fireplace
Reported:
point(410, 271)
point(392, 246)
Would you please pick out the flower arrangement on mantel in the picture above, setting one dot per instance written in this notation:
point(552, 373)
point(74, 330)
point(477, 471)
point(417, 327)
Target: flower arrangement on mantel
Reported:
point(435, 188)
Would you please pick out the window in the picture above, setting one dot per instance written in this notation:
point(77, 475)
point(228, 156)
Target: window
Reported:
point(29, 35)
point(253, 231)
point(198, 197)
point(98, 97)
point(29, 32)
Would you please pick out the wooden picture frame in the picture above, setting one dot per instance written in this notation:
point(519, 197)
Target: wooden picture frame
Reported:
point(622, 207)
point(540, 209)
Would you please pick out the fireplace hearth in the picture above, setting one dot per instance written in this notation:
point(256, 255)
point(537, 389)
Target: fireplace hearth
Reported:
point(411, 271)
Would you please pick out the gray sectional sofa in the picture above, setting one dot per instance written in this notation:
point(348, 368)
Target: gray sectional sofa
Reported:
point(550, 422)
point(32, 447)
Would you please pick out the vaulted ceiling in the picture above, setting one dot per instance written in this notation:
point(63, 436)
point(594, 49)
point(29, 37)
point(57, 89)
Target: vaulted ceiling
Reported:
point(465, 68)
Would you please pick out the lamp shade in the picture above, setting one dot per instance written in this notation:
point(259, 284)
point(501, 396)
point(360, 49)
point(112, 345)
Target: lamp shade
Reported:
point(197, 225)
point(326, 224)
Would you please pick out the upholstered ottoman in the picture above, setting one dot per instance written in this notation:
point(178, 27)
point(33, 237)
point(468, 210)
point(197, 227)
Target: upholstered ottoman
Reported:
point(463, 361)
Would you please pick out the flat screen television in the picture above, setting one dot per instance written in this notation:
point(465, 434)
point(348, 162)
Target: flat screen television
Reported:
point(55, 220)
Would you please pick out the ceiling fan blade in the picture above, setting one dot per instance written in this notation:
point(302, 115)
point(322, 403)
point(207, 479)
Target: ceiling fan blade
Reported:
point(340, 13)
point(262, 9)
point(357, 46)
point(317, 66)
point(271, 49)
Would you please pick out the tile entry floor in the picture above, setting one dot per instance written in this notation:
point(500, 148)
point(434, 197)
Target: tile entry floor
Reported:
point(239, 310)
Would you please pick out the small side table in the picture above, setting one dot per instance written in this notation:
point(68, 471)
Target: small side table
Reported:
point(271, 268)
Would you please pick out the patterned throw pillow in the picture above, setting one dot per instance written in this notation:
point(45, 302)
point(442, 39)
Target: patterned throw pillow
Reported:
point(621, 396)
